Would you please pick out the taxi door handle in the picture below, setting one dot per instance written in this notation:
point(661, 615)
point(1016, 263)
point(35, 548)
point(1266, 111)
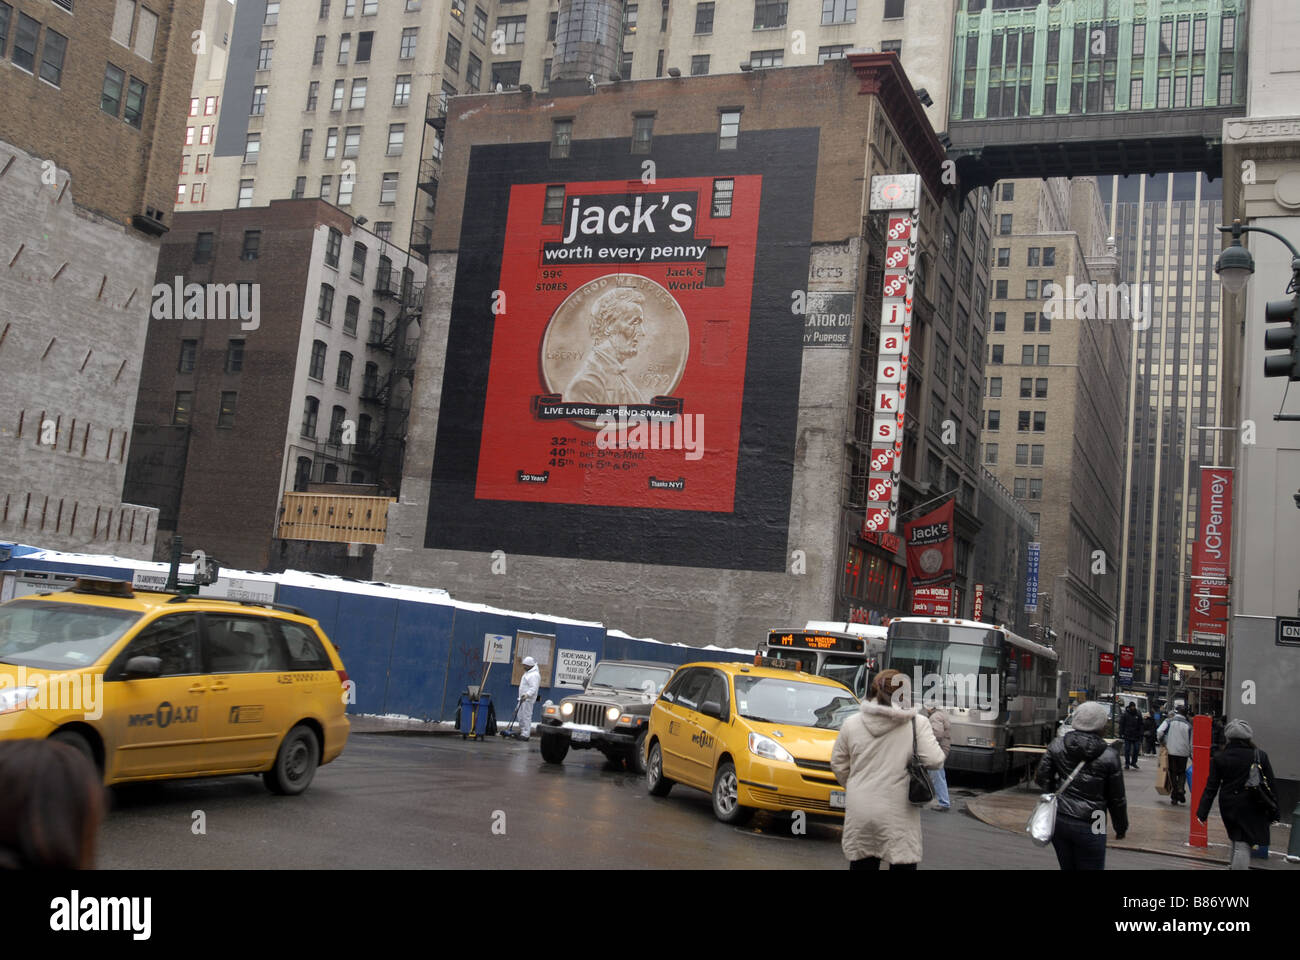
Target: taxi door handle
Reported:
point(197, 688)
point(219, 685)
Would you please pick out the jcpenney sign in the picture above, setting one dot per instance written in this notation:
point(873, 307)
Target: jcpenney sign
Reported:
point(1211, 555)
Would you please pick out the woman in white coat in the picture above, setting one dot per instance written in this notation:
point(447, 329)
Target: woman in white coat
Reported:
point(870, 759)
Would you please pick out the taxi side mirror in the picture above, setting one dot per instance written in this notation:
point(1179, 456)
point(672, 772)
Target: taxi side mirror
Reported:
point(141, 667)
point(711, 708)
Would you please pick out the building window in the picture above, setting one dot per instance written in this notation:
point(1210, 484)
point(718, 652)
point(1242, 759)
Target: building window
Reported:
point(313, 89)
point(351, 142)
point(317, 369)
point(511, 29)
point(995, 420)
point(376, 328)
point(553, 210)
point(995, 351)
point(258, 107)
point(346, 185)
point(642, 132)
point(326, 187)
point(344, 375)
point(189, 136)
point(1228, 33)
point(396, 139)
point(1022, 421)
point(226, 412)
point(1004, 224)
point(369, 7)
point(473, 72)
point(995, 386)
point(318, 52)
point(891, 46)
point(402, 90)
point(358, 100)
point(183, 407)
point(1040, 421)
point(1031, 259)
point(1043, 354)
point(309, 410)
point(1049, 256)
point(331, 143)
point(629, 18)
point(410, 35)
point(1027, 355)
point(715, 266)
point(325, 305)
point(1035, 488)
point(1029, 322)
point(1026, 386)
point(728, 129)
point(203, 248)
point(625, 65)
point(1225, 88)
point(272, 13)
point(769, 14)
point(834, 52)
point(1031, 289)
point(991, 453)
point(1000, 318)
point(723, 191)
point(551, 26)
point(388, 189)
point(235, 356)
point(759, 59)
point(1040, 388)
point(506, 74)
point(1044, 323)
point(479, 28)
point(245, 193)
point(337, 416)
point(252, 147)
point(345, 48)
point(264, 54)
point(839, 11)
point(894, 9)
point(1018, 488)
point(561, 138)
point(703, 18)
point(365, 40)
point(252, 245)
point(999, 289)
point(189, 350)
point(700, 65)
point(56, 45)
point(1022, 454)
point(110, 100)
point(358, 261)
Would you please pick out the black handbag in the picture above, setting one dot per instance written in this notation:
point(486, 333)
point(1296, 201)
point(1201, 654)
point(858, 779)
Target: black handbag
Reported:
point(920, 790)
point(1257, 785)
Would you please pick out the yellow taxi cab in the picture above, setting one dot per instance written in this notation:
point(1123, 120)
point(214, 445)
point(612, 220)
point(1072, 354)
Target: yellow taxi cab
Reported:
point(155, 686)
point(756, 736)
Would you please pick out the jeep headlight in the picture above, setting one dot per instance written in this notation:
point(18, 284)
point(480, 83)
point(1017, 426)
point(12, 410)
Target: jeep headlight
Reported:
point(15, 699)
point(768, 749)
point(566, 709)
point(612, 714)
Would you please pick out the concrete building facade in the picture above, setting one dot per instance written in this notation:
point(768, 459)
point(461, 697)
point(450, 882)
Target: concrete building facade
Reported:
point(90, 134)
point(486, 509)
point(1056, 382)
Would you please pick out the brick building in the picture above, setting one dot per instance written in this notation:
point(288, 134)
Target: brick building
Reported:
point(302, 388)
point(767, 175)
point(90, 140)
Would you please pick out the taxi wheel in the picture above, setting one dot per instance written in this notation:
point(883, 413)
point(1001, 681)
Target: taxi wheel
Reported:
point(636, 759)
point(554, 749)
point(76, 741)
point(295, 764)
point(726, 796)
point(655, 781)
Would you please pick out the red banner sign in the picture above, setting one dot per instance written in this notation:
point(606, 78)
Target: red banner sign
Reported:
point(1126, 657)
point(930, 547)
point(932, 601)
point(1106, 666)
point(979, 601)
point(1210, 557)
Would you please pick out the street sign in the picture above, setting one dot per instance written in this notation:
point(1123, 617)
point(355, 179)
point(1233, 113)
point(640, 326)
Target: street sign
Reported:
point(1106, 664)
point(1288, 632)
point(1125, 665)
point(1197, 654)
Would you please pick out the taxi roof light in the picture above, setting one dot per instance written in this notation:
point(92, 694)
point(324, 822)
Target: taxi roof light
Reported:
point(102, 586)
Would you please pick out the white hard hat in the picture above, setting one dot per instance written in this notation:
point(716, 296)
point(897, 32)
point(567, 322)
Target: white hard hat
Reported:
point(529, 662)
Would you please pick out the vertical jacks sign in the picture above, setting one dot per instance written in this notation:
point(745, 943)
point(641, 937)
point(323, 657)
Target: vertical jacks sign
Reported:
point(1031, 579)
point(900, 196)
point(1210, 554)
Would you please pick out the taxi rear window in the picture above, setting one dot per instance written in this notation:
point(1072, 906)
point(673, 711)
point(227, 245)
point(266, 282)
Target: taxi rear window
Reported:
point(54, 635)
point(304, 647)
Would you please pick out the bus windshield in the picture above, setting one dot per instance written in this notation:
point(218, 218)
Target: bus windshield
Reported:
point(850, 671)
point(947, 673)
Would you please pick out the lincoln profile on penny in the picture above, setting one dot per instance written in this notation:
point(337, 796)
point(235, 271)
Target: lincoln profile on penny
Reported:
point(615, 327)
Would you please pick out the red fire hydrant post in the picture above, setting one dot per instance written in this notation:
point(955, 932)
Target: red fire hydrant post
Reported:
point(1202, 737)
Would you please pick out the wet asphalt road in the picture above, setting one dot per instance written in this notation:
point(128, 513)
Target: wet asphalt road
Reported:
point(440, 802)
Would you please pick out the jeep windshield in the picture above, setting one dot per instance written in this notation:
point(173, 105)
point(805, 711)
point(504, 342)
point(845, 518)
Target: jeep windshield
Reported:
point(630, 676)
point(38, 633)
point(793, 702)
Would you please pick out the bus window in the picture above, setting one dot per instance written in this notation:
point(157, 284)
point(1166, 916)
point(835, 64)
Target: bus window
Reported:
point(850, 671)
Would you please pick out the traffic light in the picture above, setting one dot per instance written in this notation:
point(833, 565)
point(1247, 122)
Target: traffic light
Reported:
point(1283, 338)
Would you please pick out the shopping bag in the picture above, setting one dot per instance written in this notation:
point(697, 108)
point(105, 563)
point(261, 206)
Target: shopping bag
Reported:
point(1162, 773)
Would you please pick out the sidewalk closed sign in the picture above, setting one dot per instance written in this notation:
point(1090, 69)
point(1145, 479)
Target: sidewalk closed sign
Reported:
point(496, 648)
point(572, 667)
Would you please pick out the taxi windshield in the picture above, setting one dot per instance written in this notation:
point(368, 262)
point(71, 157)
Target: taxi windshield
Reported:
point(37, 633)
point(793, 702)
point(630, 676)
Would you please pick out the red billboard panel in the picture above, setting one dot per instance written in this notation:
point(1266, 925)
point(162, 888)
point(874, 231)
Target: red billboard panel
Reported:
point(1126, 657)
point(932, 601)
point(1210, 557)
point(1106, 664)
point(930, 546)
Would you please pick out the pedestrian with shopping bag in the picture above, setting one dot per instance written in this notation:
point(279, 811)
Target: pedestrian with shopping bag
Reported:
point(1176, 734)
point(1243, 778)
point(1091, 785)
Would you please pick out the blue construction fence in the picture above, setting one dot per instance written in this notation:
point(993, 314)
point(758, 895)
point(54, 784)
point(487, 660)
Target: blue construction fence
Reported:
point(408, 657)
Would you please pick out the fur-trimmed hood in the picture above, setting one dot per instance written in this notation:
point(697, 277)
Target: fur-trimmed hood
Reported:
point(879, 719)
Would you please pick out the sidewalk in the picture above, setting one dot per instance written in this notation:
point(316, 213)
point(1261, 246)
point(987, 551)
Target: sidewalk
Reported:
point(366, 723)
point(1155, 825)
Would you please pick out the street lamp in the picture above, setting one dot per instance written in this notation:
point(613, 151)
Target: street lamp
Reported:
point(1234, 267)
point(1236, 264)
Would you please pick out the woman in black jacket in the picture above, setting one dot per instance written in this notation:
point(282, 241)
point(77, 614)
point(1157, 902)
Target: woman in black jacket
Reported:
point(1098, 788)
point(1246, 814)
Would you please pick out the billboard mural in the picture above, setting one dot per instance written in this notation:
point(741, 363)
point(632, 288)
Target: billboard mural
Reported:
point(622, 368)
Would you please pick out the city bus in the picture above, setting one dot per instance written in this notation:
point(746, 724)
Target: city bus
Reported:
point(850, 653)
point(998, 689)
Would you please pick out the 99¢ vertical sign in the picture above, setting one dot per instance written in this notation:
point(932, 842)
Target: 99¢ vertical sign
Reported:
point(899, 195)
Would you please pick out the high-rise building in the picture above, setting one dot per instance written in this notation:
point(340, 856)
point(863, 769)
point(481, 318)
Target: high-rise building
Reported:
point(1056, 383)
point(91, 122)
point(212, 57)
point(1165, 226)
